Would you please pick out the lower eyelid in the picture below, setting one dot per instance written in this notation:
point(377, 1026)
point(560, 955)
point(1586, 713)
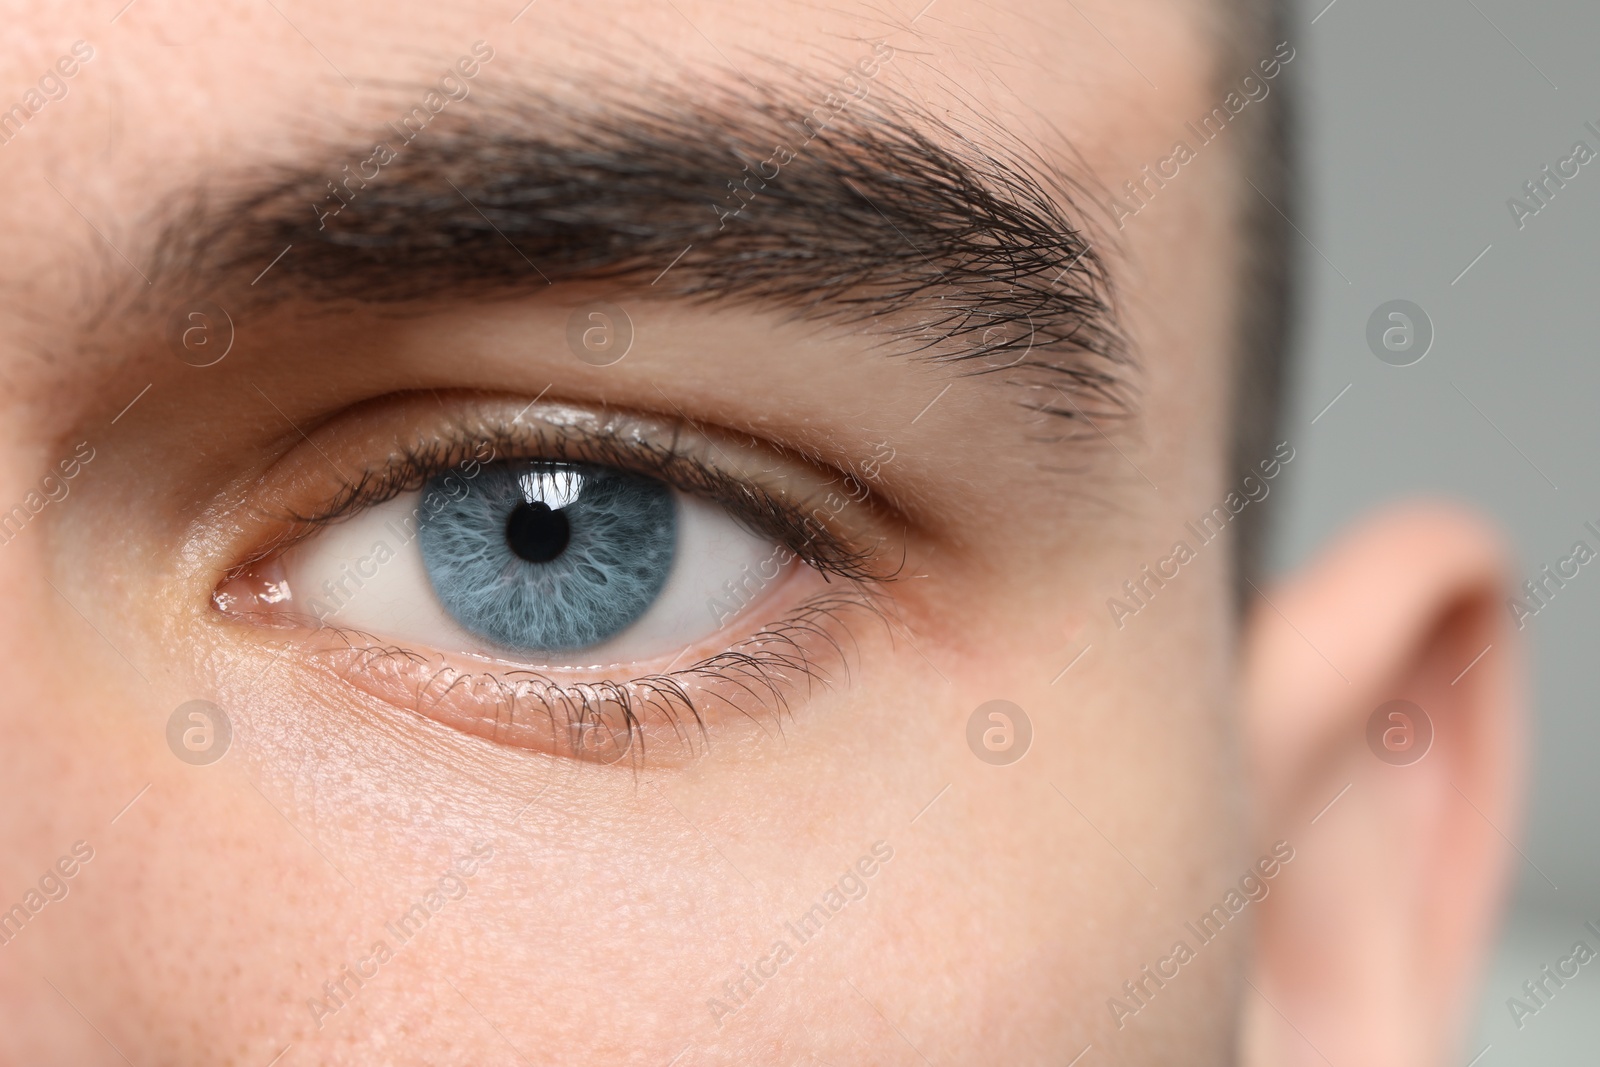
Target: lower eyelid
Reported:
point(591, 716)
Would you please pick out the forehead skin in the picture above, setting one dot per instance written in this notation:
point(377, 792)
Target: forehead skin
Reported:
point(617, 904)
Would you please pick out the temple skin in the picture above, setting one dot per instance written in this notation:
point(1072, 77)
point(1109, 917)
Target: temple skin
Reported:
point(360, 879)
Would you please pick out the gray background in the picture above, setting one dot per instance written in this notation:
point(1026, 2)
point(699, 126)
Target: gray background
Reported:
point(1420, 119)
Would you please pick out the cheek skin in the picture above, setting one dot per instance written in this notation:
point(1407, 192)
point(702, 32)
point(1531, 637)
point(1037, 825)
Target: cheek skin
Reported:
point(228, 895)
point(607, 881)
point(1138, 736)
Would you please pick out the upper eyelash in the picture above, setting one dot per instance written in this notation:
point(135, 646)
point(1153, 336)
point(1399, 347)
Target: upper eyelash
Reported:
point(757, 672)
point(786, 522)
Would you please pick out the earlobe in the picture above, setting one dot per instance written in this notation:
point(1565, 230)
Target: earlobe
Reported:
point(1369, 949)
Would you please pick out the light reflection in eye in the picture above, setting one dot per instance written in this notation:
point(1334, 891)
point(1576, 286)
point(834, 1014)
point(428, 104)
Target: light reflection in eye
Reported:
point(540, 562)
point(555, 488)
point(551, 558)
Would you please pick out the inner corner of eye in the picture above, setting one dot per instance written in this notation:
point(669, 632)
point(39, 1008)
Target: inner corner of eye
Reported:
point(558, 564)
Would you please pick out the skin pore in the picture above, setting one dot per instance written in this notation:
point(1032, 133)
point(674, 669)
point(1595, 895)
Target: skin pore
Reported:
point(608, 906)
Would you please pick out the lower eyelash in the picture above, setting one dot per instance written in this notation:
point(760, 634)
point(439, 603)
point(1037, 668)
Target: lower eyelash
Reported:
point(607, 721)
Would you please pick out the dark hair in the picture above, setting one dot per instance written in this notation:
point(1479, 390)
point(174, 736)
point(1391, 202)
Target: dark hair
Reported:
point(1265, 304)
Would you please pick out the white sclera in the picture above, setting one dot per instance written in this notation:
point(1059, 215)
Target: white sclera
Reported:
point(367, 574)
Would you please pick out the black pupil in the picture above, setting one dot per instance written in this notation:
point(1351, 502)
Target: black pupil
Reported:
point(536, 533)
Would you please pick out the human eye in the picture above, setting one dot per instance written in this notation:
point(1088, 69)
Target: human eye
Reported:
point(559, 579)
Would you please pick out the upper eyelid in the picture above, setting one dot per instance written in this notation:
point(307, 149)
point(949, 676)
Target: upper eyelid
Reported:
point(672, 452)
point(765, 670)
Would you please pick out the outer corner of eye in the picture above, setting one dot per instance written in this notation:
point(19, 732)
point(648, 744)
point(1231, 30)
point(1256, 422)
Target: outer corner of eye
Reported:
point(532, 562)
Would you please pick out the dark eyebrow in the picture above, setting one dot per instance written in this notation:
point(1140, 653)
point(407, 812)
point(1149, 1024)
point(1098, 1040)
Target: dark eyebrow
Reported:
point(863, 208)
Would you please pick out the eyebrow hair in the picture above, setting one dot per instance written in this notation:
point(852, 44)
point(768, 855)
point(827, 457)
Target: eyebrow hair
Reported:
point(955, 243)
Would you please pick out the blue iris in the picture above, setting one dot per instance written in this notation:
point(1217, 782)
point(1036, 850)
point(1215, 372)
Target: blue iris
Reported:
point(547, 557)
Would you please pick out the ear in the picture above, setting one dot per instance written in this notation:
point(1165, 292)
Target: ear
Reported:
point(1370, 944)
